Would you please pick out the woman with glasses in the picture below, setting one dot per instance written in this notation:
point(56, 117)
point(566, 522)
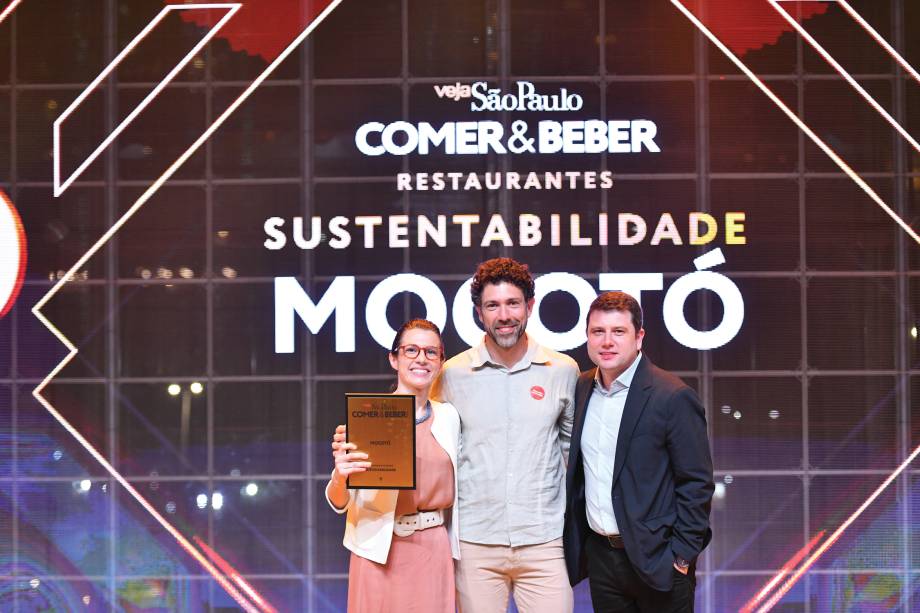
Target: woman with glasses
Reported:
point(403, 541)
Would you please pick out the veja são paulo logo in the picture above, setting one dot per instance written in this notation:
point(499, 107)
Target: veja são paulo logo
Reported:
point(524, 98)
point(12, 254)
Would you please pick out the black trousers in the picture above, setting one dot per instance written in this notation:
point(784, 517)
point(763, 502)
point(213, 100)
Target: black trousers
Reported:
point(616, 588)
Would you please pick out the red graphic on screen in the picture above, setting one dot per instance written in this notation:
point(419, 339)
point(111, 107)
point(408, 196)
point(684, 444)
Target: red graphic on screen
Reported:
point(748, 25)
point(262, 27)
point(12, 254)
point(537, 392)
point(266, 27)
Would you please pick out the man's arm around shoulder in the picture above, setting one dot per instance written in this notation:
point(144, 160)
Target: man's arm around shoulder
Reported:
point(567, 415)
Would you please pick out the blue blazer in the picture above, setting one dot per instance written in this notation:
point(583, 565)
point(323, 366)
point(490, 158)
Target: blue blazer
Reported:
point(662, 477)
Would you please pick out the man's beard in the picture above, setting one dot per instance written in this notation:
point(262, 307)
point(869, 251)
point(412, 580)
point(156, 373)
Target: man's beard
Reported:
point(510, 340)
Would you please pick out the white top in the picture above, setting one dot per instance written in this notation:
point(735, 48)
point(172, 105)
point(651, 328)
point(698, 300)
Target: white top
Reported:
point(372, 513)
point(599, 446)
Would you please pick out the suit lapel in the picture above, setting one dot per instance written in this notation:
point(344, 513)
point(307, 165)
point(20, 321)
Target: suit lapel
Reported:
point(636, 399)
point(583, 396)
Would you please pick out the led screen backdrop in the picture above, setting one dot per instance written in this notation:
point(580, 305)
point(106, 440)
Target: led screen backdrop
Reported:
point(213, 217)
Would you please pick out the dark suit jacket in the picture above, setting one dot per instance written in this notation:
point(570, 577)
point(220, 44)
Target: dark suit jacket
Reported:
point(662, 477)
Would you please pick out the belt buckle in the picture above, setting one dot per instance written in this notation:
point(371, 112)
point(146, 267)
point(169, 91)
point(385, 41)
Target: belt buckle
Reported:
point(404, 527)
point(615, 541)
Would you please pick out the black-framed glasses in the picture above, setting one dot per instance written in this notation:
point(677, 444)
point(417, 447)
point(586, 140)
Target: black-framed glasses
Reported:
point(412, 351)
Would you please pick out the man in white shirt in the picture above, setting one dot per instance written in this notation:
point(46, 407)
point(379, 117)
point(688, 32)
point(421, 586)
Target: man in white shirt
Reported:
point(516, 402)
point(639, 480)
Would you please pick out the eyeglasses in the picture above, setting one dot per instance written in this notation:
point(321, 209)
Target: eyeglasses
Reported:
point(412, 351)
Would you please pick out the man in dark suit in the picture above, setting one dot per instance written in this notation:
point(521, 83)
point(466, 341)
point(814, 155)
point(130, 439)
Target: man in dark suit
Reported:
point(639, 480)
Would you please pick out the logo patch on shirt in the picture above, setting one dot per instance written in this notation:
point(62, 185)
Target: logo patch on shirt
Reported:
point(537, 392)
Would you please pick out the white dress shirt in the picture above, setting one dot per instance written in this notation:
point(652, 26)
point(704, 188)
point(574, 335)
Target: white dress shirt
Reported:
point(599, 445)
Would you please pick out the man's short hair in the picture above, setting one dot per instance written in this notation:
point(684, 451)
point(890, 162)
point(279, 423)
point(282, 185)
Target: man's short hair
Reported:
point(502, 270)
point(618, 301)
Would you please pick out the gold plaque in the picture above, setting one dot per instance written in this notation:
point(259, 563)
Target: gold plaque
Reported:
point(383, 427)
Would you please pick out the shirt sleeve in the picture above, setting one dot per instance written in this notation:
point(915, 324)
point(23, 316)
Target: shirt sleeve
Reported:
point(567, 414)
point(351, 498)
point(688, 448)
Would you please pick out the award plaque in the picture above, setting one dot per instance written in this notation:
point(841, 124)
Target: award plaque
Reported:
point(383, 427)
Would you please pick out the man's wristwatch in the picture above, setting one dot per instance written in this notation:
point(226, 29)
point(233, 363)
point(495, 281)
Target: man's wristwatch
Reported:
point(682, 564)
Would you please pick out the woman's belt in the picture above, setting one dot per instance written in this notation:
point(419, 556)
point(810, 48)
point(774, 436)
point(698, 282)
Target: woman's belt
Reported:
point(407, 524)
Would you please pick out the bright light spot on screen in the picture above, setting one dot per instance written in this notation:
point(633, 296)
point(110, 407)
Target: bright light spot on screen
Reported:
point(223, 233)
point(164, 273)
point(774, 414)
point(170, 507)
point(201, 501)
point(147, 150)
point(51, 105)
point(57, 455)
point(719, 492)
point(173, 389)
point(913, 333)
point(86, 599)
point(234, 472)
point(186, 273)
point(198, 63)
point(196, 387)
point(217, 501)
point(726, 409)
point(35, 583)
point(737, 414)
point(728, 479)
point(145, 273)
point(251, 489)
point(85, 485)
point(228, 272)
